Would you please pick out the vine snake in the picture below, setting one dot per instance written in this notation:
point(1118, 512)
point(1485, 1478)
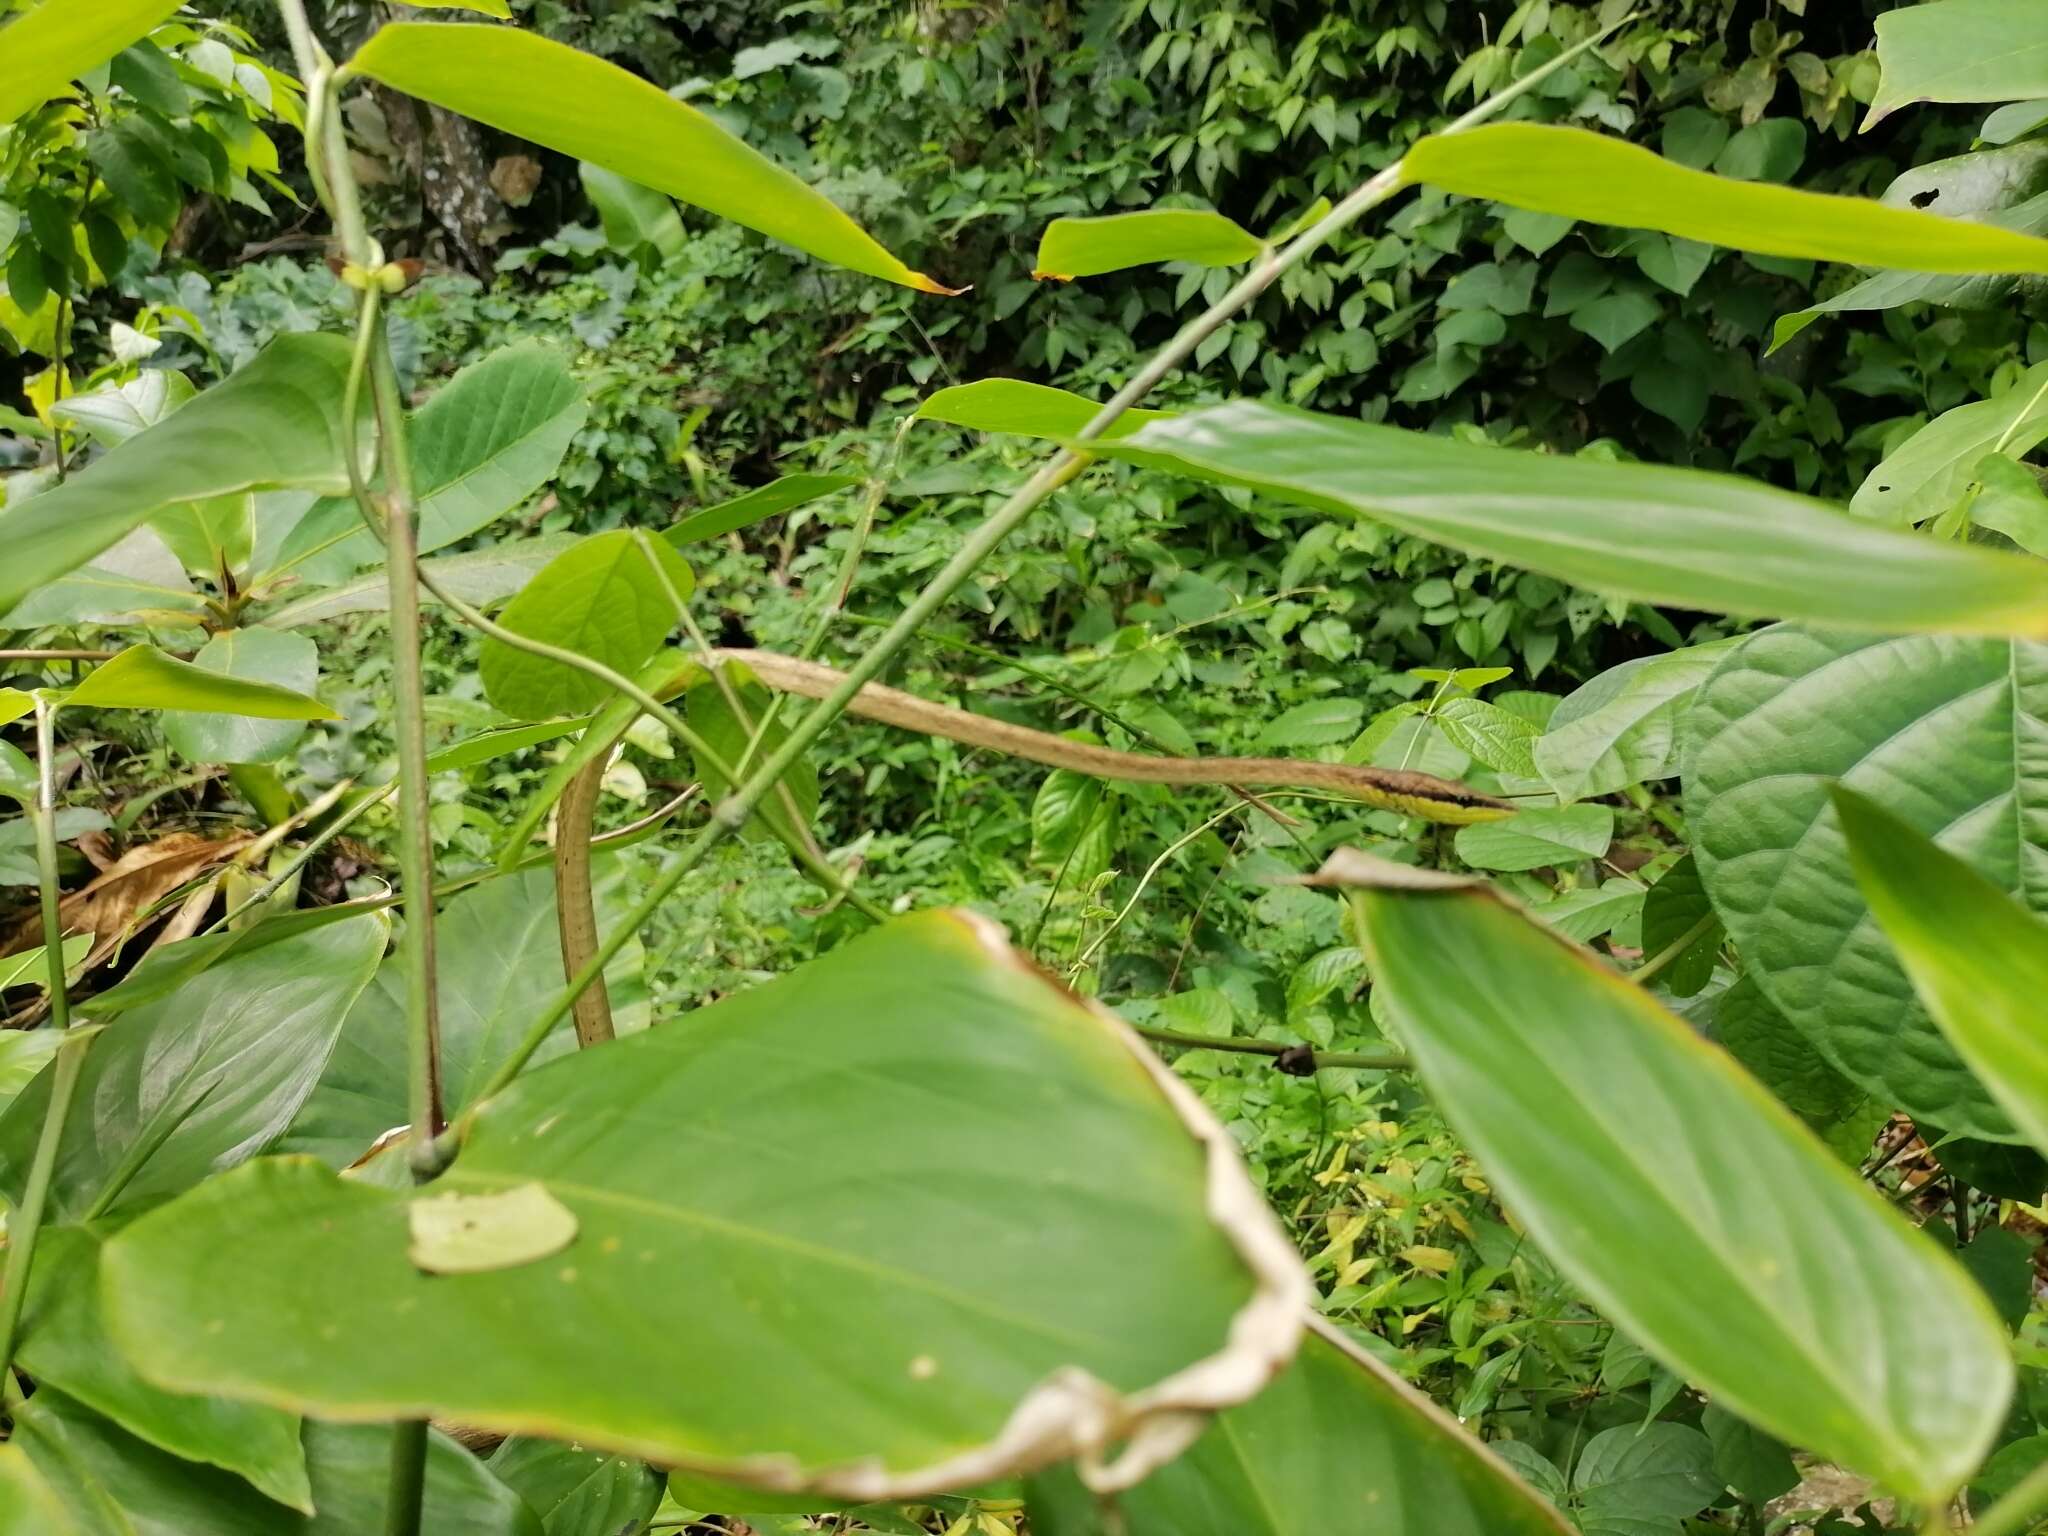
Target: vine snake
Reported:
point(1391, 789)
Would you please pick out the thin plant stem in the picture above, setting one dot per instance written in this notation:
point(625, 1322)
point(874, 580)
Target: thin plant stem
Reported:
point(731, 814)
point(1672, 951)
point(1362, 1060)
point(27, 1220)
point(1158, 864)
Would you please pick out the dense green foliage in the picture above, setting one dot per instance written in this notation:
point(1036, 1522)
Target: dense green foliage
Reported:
point(1360, 560)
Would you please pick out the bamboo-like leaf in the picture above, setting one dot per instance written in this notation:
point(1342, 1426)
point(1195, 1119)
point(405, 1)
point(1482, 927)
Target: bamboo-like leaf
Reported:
point(1960, 50)
point(1029, 410)
point(1339, 1444)
point(275, 423)
point(601, 598)
point(1711, 542)
point(784, 495)
point(956, 1294)
point(1578, 174)
point(594, 110)
point(1978, 959)
point(59, 40)
point(1072, 248)
point(143, 677)
point(1633, 1151)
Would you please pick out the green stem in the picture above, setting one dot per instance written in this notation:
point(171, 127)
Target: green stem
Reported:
point(408, 1484)
point(27, 1220)
point(1319, 1060)
point(729, 816)
point(2019, 1512)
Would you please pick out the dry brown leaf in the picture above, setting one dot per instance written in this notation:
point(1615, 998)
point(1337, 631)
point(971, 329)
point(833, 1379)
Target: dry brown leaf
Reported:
point(122, 897)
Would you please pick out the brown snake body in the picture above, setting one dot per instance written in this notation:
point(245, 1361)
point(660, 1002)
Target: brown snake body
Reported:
point(1393, 789)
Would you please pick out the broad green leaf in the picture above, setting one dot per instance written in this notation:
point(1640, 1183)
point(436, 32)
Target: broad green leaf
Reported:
point(114, 413)
point(1978, 959)
point(483, 579)
point(2014, 121)
point(275, 423)
point(1635, 1478)
point(784, 495)
point(1488, 733)
point(1587, 913)
point(29, 1506)
point(1749, 1461)
point(1030, 410)
point(143, 677)
point(2008, 499)
point(113, 1484)
point(59, 40)
point(15, 704)
point(575, 1492)
point(1565, 835)
point(596, 111)
point(167, 967)
point(1960, 50)
point(474, 1234)
point(201, 1080)
point(486, 441)
point(1604, 180)
point(1675, 912)
point(211, 536)
point(1723, 544)
point(711, 716)
point(1316, 723)
point(602, 598)
point(24, 1052)
point(1339, 1444)
point(1624, 727)
point(137, 581)
point(64, 1345)
point(635, 218)
point(1941, 730)
point(17, 773)
point(18, 844)
point(1072, 248)
point(2007, 187)
point(258, 655)
point(1608, 1127)
point(1928, 473)
point(499, 956)
point(924, 1284)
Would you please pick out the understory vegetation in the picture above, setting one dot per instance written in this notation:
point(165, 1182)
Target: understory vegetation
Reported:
point(1106, 768)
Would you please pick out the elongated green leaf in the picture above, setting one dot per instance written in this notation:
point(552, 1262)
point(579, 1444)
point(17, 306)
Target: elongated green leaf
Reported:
point(1623, 727)
point(275, 423)
point(143, 677)
point(784, 495)
point(14, 704)
point(1030, 410)
point(488, 746)
point(486, 441)
point(602, 598)
point(1721, 544)
point(1928, 473)
point(635, 218)
point(64, 1344)
point(1337, 1444)
point(922, 1286)
point(576, 1492)
point(498, 956)
point(274, 656)
point(483, 579)
point(1072, 248)
point(2007, 187)
point(1608, 1126)
point(200, 1081)
point(598, 112)
point(1943, 730)
point(112, 1483)
point(137, 581)
point(1582, 175)
point(1978, 959)
point(29, 1506)
point(1960, 50)
point(168, 967)
point(56, 42)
